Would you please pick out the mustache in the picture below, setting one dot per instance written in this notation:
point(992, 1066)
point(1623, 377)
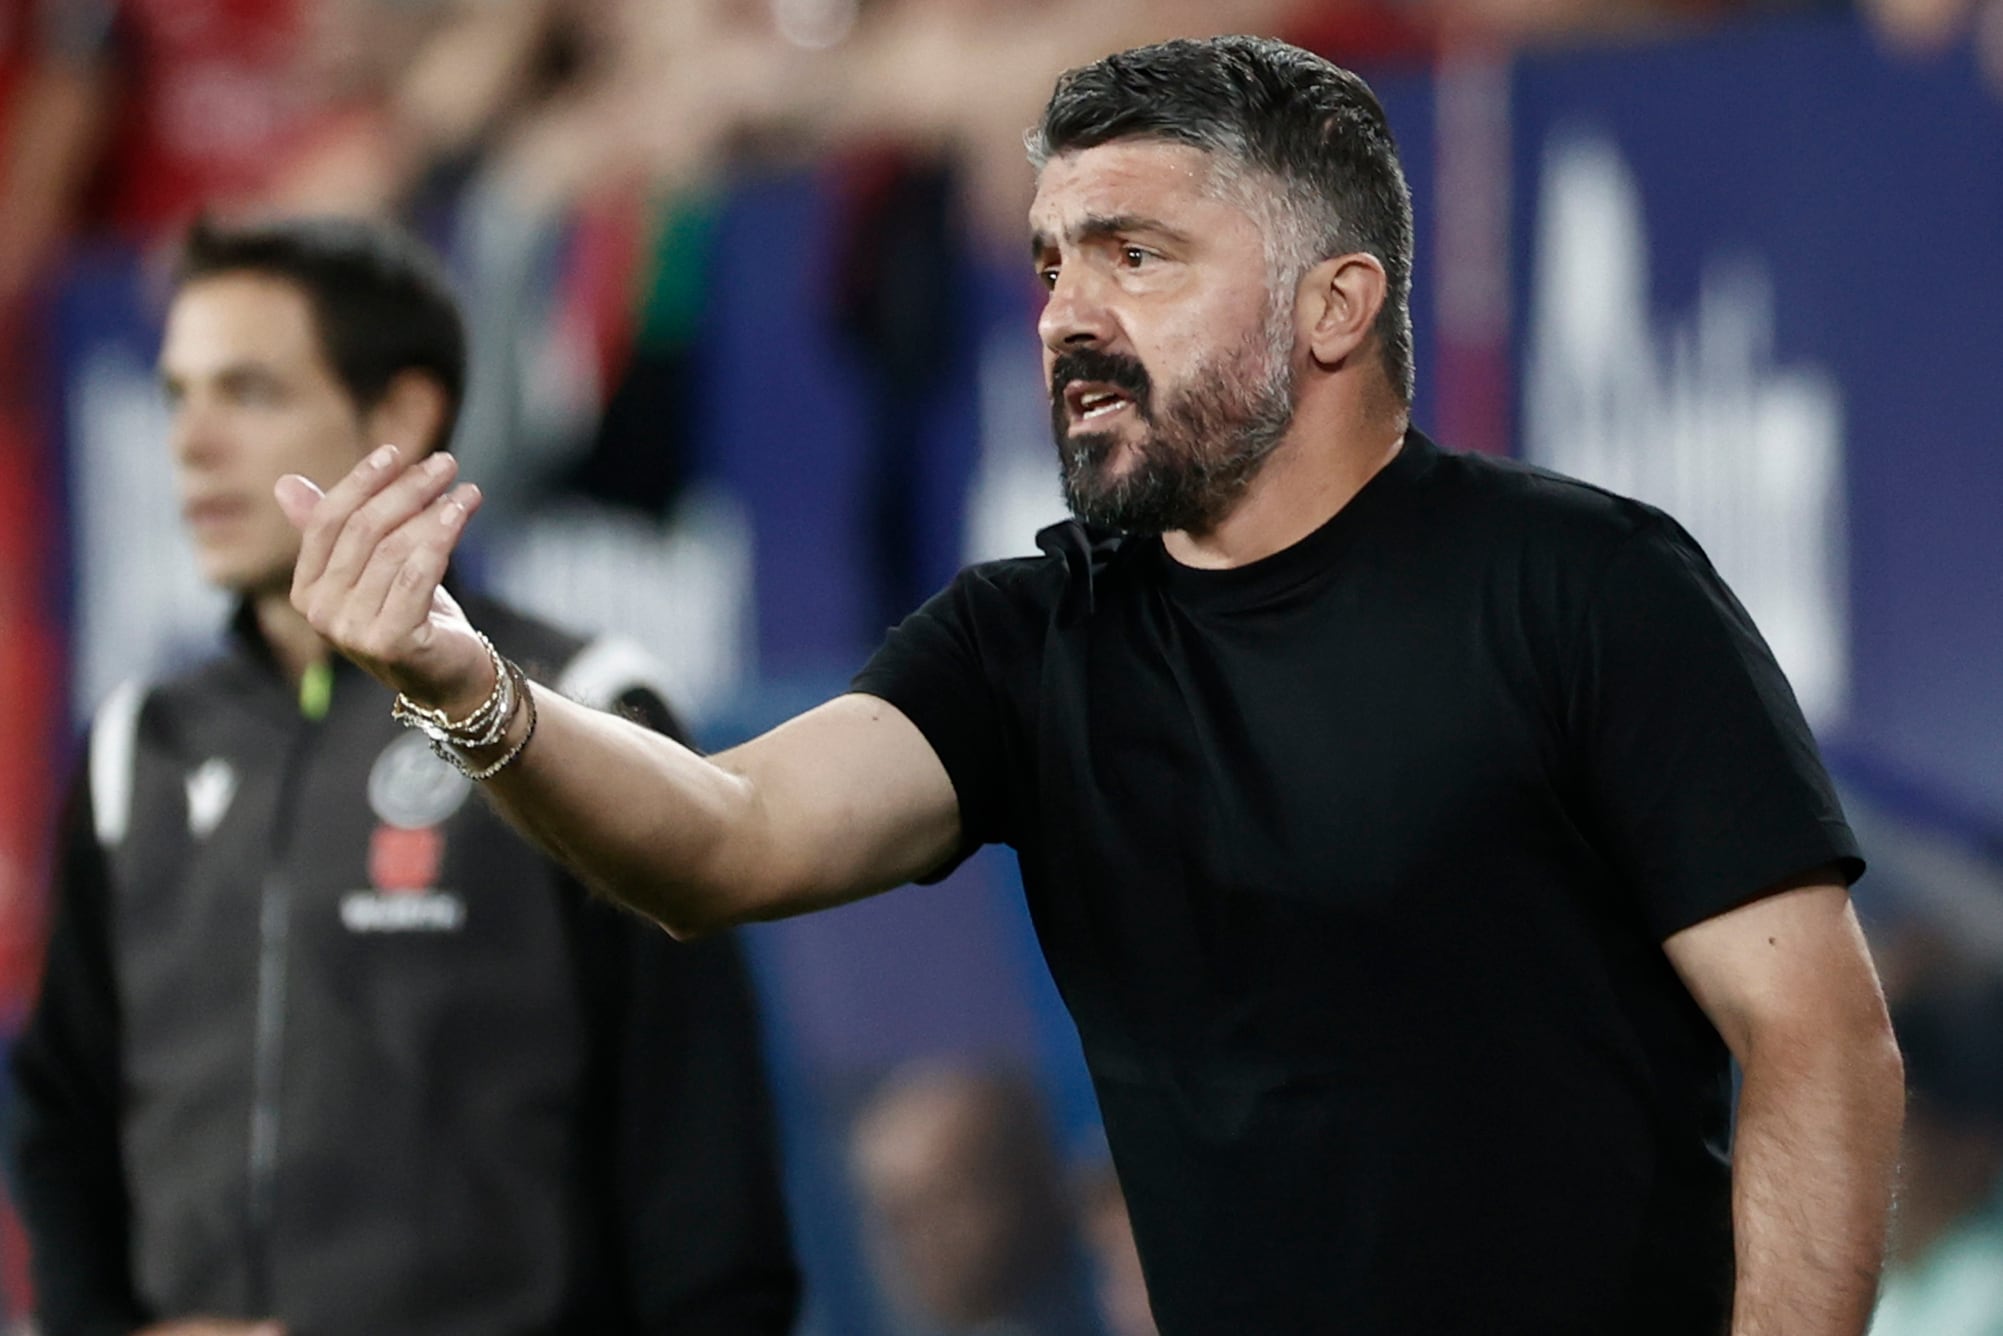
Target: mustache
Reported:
point(1123, 373)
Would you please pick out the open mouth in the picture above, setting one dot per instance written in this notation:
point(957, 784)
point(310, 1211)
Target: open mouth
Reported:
point(1094, 402)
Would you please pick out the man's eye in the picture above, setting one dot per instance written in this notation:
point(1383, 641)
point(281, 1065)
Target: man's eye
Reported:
point(1133, 257)
point(1048, 277)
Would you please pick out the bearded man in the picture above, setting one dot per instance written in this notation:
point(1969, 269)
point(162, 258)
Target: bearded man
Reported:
point(1415, 838)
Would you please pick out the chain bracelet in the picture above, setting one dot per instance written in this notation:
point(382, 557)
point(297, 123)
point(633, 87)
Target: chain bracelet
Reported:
point(487, 772)
point(485, 726)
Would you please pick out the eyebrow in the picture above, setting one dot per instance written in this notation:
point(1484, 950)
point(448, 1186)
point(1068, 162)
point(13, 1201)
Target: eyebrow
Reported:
point(230, 373)
point(1099, 227)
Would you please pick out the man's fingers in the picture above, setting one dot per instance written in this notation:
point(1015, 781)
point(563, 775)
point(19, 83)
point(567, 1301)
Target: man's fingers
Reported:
point(374, 550)
point(331, 513)
point(411, 557)
point(409, 598)
point(402, 498)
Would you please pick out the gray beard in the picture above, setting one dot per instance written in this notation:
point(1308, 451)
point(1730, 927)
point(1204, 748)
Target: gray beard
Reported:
point(1200, 452)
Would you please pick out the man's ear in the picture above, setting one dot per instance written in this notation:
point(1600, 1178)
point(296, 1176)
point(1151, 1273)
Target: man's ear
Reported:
point(410, 415)
point(1339, 302)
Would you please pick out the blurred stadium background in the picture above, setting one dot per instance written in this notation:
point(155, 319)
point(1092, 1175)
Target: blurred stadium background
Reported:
point(755, 373)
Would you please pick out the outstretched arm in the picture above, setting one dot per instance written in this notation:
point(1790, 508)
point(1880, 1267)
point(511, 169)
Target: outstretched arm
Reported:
point(846, 800)
point(1790, 986)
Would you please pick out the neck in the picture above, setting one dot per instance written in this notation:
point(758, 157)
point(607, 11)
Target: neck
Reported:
point(1318, 469)
point(293, 641)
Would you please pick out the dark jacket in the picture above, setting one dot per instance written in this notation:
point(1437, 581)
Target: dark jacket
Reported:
point(321, 1039)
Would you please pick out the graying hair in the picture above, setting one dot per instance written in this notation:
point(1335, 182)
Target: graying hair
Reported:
point(1298, 142)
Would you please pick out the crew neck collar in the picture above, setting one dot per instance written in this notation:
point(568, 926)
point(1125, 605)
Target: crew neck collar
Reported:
point(1292, 565)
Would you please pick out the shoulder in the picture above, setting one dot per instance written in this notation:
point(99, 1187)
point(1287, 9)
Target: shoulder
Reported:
point(1074, 560)
point(1026, 582)
point(1542, 509)
point(1560, 555)
point(158, 708)
point(111, 758)
point(145, 719)
point(989, 622)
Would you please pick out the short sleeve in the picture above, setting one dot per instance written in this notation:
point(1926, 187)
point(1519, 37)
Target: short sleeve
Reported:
point(933, 668)
point(1701, 769)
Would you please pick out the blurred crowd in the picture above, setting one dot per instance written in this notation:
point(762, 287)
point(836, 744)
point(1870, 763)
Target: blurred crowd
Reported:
point(124, 117)
point(487, 121)
point(494, 126)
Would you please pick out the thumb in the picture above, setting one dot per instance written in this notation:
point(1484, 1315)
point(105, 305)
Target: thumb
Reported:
point(297, 497)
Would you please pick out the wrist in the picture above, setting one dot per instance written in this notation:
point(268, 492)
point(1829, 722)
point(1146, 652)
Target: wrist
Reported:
point(482, 762)
point(486, 737)
point(462, 699)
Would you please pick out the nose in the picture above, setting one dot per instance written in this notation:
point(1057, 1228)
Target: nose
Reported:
point(1075, 314)
point(193, 435)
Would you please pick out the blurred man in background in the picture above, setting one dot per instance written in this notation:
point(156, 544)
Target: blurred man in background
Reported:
point(323, 1047)
point(971, 1230)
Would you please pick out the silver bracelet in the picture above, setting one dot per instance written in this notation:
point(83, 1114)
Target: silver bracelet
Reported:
point(485, 726)
point(487, 772)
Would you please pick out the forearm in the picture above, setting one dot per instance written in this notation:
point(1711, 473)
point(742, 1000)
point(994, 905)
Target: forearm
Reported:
point(1813, 1169)
point(845, 800)
point(640, 817)
point(784, 824)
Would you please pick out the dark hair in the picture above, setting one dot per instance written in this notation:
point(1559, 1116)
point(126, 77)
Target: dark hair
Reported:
point(1313, 130)
point(380, 299)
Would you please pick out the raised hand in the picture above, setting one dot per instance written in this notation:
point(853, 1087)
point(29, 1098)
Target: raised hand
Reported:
point(374, 550)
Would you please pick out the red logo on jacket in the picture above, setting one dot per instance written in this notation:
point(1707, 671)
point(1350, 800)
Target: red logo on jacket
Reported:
point(404, 862)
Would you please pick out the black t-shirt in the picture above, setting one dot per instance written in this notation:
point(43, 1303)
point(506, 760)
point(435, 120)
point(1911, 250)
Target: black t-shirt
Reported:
point(1353, 865)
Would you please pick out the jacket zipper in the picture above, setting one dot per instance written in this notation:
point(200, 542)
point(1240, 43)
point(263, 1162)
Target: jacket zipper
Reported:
point(267, 1068)
point(268, 1037)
